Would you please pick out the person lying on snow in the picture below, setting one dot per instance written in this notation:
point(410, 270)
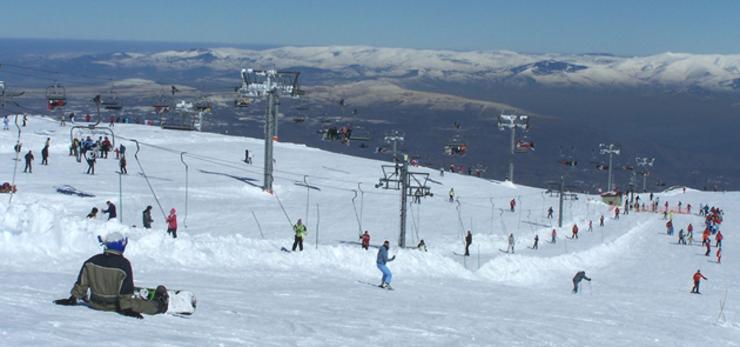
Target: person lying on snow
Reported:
point(106, 283)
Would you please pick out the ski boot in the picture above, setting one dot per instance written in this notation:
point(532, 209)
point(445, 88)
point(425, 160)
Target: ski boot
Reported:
point(162, 298)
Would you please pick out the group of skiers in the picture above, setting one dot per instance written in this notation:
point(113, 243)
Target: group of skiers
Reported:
point(92, 150)
point(146, 217)
point(29, 157)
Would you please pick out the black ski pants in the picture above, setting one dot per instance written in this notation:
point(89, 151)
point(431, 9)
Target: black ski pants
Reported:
point(298, 242)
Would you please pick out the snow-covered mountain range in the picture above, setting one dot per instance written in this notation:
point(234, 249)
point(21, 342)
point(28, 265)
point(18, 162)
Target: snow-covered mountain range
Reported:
point(672, 70)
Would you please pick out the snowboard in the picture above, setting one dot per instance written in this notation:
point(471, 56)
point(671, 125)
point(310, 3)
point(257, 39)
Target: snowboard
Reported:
point(181, 302)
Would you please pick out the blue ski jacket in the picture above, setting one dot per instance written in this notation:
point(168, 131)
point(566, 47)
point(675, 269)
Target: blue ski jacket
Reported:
point(383, 256)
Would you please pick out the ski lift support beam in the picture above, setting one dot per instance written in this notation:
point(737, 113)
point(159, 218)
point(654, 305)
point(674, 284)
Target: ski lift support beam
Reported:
point(610, 149)
point(398, 177)
point(270, 85)
point(512, 122)
point(643, 169)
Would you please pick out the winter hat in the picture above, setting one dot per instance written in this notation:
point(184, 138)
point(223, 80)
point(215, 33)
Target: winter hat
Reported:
point(172, 211)
point(114, 242)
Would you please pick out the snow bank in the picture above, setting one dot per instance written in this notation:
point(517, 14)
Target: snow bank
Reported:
point(521, 270)
point(35, 233)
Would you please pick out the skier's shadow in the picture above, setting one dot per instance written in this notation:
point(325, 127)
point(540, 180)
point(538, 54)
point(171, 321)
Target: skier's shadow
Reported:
point(246, 180)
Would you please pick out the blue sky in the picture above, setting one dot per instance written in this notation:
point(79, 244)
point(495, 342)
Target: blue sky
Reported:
point(618, 26)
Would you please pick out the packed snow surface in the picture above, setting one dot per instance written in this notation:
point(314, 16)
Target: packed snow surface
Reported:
point(252, 293)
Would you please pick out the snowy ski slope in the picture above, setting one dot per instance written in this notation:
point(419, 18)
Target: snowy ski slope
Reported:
point(251, 293)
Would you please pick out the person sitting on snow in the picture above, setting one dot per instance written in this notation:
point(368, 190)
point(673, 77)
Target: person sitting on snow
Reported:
point(106, 283)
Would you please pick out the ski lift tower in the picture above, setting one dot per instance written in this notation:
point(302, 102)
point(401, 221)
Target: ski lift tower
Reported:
point(394, 137)
point(269, 85)
point(610, 149)
point(643, 169)
point(2, 96)
point(512, 122)
point(398, 177)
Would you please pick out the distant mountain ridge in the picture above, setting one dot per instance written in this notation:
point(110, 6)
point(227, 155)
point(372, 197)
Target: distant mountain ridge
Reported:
point(680, 71)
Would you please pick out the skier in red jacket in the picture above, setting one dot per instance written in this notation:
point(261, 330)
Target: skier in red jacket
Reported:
point(172, 223)
point(697, 278)
point(719, 238)
point(512, 204)
point(365, 240)
point(575, 232)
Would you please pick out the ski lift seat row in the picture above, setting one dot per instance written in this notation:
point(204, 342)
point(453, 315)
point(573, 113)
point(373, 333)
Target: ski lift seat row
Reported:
point(56, 96)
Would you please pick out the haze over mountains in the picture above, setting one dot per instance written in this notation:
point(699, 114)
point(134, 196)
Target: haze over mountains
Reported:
point(578, 101)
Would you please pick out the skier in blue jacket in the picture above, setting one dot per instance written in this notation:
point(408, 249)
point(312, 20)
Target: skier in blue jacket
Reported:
point(382, 260)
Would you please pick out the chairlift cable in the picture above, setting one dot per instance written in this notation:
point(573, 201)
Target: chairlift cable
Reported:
point(185, 220)
point(15, 166)
point(146, 178)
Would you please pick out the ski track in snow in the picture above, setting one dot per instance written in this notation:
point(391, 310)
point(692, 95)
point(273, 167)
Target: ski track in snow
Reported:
point(251, 293)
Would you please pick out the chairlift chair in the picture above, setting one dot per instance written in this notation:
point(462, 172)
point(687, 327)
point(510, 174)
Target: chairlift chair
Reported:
point(360, 134)
point(110, 101)
point(524, 145)
point(243, 101)
point(162, 104)
point(456, 146)
point(183, 117)
point(56, 97)
point(204, 105)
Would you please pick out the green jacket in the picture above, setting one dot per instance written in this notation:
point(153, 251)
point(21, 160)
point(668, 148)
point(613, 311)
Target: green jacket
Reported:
point(300, 230)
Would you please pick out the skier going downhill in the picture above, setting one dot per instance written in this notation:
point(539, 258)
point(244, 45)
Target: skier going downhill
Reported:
point(29, 158)
point(511, 243)
point(581, 275)
point(468, 242)
point(697, 278)
point(574, 232)
point(381, 261)
point(106, 283)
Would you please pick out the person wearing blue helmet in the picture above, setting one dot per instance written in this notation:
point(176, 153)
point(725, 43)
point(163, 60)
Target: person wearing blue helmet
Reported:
point(106, 283)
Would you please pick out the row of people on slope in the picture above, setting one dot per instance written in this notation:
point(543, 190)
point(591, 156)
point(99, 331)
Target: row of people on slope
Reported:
point(706, 240)
point(6, 121)
point(146, 217)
